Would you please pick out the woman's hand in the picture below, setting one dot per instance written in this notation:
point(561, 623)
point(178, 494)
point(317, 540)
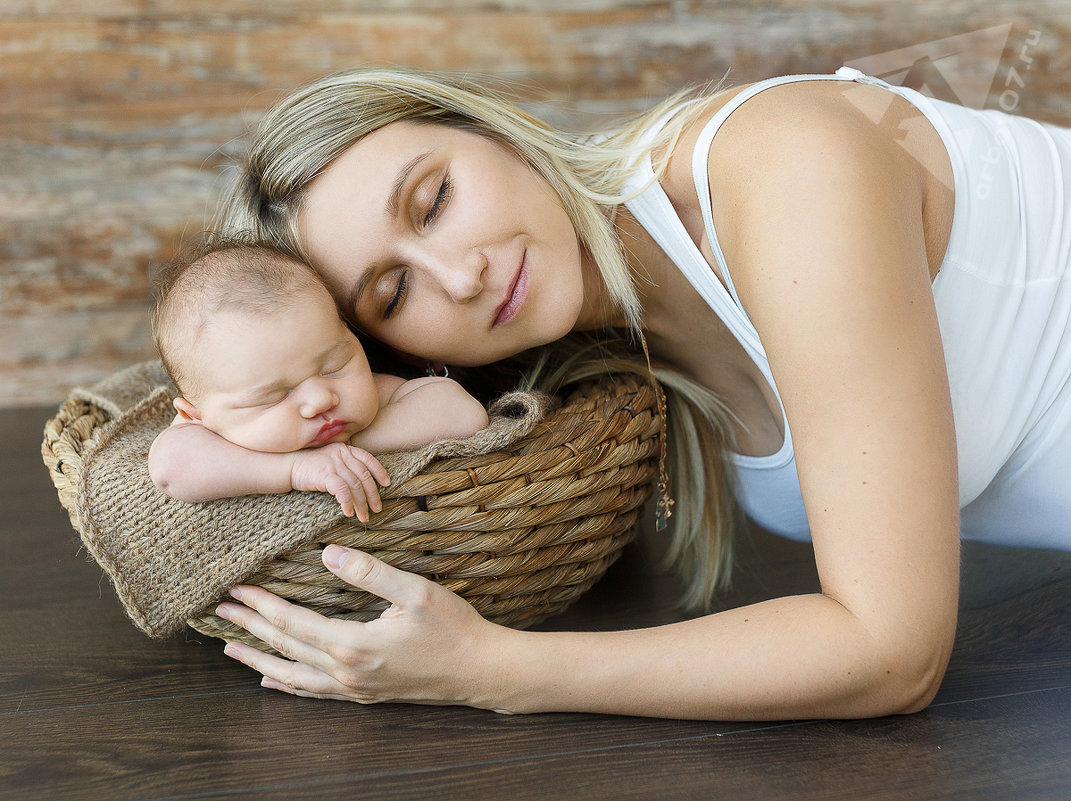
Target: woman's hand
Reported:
point(428, 647)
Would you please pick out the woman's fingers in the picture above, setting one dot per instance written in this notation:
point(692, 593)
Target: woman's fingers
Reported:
point(377, 577)
point(290, 677)
point(418, 650)
point(292, 630)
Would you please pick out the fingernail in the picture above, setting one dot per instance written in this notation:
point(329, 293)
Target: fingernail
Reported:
point(236, 593)
point(334, 556)
point(223, 612)
point(231, 650)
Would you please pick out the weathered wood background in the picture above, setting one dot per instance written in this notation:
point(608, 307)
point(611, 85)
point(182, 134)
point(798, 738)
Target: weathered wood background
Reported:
point(118, 117)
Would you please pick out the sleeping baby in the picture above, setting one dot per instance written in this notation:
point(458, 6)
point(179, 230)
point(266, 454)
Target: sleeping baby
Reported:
point(275, 391)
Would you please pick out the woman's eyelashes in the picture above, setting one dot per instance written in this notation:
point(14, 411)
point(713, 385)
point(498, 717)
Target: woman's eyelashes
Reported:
point(399, 296)
point(440, 199)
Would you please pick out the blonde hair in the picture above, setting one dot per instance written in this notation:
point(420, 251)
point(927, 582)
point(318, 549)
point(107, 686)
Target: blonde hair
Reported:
point(303, 134)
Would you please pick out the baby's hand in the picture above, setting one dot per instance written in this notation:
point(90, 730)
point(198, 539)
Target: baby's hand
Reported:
point(348, 473)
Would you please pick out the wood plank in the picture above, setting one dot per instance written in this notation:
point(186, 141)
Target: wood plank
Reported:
point(72, 63)
point(234, 741)
point(190, 63)
point(278, 747)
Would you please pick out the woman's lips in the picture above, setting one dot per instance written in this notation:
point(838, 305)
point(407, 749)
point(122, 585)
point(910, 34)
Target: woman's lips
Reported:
point(332, 428)
point(515, 299)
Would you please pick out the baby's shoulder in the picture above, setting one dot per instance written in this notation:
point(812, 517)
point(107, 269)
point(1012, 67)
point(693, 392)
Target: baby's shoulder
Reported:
point(387, 384)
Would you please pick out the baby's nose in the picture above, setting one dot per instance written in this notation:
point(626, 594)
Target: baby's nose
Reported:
point(318, 399)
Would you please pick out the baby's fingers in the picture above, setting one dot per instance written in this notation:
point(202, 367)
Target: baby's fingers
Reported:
point(372, 463)
point(364, 479)
point(351, 501)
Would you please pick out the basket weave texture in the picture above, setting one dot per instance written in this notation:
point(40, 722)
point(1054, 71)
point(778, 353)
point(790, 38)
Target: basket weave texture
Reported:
point(520, 534)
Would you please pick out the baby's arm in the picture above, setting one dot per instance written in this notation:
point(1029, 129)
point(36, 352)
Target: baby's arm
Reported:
point(191, 463)
point(414, 413)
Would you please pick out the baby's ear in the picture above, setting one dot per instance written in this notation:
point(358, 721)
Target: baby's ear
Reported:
point(187, 411)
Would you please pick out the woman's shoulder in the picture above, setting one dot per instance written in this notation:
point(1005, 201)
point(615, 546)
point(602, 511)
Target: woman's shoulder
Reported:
point(797, 115)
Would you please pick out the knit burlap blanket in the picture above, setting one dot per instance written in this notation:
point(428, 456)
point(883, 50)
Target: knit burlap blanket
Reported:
point(170, 560)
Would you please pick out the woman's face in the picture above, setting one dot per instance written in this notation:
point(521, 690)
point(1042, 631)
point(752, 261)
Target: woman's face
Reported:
point(445, 245)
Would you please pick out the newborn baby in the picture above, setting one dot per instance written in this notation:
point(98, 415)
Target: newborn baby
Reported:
point(276, 393)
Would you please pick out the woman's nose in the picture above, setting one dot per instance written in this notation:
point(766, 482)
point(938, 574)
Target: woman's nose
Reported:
point(317, 398)
point(461, 277)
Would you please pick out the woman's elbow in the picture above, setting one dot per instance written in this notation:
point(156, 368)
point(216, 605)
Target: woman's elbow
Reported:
point(908, 684)
point(923, 686)
point(906, 697)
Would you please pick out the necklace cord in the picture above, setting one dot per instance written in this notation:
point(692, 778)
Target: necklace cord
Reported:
point(664, 507)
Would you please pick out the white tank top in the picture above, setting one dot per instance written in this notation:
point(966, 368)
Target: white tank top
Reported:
point(1003, 293)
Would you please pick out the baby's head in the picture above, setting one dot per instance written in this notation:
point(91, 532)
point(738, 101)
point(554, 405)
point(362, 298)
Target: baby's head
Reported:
point(254, 343)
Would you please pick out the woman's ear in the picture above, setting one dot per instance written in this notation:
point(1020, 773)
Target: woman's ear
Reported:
point(187, 411)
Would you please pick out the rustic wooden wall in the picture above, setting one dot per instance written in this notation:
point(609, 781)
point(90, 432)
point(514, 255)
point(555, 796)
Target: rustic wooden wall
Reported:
point(117, 117)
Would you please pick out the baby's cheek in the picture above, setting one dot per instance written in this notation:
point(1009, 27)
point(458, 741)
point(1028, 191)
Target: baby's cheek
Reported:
point(274, 432)
point(367, 405)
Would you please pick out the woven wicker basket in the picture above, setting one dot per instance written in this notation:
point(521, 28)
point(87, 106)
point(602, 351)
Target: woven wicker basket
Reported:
point(520, 534)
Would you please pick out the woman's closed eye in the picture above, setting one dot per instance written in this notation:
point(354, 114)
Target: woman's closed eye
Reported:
point(401, 289)
point(440, 199)
point(398, 298)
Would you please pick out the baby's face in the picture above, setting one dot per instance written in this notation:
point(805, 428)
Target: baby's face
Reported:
point(294, 379)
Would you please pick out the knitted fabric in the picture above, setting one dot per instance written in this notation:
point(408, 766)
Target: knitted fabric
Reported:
point(170, 560)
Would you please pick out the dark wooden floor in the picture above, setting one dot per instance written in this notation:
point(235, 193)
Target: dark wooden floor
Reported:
point(90, 708)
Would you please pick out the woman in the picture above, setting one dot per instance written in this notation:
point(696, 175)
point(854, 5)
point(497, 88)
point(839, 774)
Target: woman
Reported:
point(873, 283)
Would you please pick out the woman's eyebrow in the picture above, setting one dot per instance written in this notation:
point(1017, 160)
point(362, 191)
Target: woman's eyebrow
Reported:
point(358, 289)
point(399, 182)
